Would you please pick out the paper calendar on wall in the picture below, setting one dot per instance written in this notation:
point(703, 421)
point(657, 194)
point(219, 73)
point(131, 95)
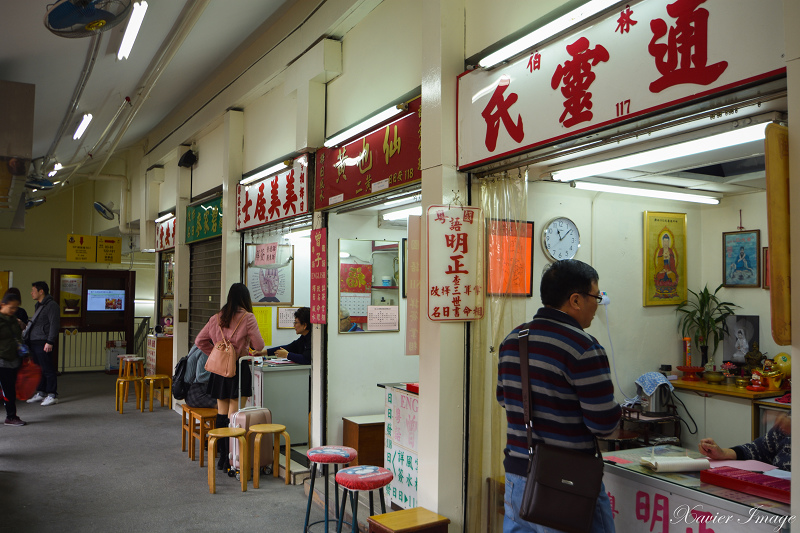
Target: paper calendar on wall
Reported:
point(356, 304)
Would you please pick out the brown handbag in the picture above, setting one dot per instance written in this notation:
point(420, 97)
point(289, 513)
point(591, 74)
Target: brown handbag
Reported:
point(223, 357)
point(562, 485)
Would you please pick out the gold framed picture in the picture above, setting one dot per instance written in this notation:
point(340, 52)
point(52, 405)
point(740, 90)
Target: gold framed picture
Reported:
point(664, 258)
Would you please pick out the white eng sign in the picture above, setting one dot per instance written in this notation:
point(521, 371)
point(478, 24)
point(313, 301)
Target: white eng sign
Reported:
point(648, 56)
point(455, 280)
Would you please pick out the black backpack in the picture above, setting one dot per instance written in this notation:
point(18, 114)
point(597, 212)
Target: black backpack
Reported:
point(179, 387)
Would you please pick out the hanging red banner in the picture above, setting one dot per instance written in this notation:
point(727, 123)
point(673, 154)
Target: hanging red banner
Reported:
point(319, 276)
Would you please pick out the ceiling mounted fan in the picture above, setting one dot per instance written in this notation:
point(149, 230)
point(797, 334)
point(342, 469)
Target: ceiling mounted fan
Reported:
point(106, 211)
point(35, 179)
point(84, 18)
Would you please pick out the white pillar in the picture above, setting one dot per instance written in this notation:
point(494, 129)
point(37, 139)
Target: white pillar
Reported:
point(180, 333)
point(233, 143)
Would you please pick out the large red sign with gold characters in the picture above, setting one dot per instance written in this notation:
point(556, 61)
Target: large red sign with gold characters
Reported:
point(382, 159)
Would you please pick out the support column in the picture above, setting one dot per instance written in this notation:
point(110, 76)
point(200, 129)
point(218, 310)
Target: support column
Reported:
point(442, 350)
point(233, 143)
point(183, 197)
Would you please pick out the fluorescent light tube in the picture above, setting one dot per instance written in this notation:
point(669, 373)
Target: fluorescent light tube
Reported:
point(575, 16)
point(266, 172)
point(87, 118)
point(697, 146)
point(384, 115)
point(134, 23)
point(164, 217)
point(403, 213)
point(649, 193)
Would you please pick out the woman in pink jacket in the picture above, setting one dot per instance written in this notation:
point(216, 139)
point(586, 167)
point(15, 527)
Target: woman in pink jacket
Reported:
point(238, 323)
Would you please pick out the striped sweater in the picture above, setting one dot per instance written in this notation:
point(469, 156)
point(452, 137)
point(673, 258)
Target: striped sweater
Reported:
point(571, 391)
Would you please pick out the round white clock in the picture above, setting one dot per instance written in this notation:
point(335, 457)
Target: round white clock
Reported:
point(561, 239)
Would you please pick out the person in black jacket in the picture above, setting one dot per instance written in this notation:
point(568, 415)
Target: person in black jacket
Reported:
point(41, 335)
point(10, 337)
point(298, 351)
point(21, 314)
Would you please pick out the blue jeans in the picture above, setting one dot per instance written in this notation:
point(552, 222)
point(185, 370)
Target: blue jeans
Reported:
point(515, 485)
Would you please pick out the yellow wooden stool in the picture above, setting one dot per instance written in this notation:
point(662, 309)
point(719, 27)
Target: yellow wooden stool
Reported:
point(185, 427)
point(121, 394)
point(224, 433)
point(162, 380)
point(134, 367)
point(202, 420)
point(121, 362)
point(277, 430)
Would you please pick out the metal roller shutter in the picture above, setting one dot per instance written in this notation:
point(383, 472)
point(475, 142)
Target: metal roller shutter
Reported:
point(204, 284)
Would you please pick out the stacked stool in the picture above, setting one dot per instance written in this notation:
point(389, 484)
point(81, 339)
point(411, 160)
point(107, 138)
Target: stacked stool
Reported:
point(223, 433)
point(276, 430)
point(326, 455)
point(134, 368)
point(357, 478)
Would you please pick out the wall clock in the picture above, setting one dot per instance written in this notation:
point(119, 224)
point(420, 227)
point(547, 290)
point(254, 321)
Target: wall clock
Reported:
point(561, 239)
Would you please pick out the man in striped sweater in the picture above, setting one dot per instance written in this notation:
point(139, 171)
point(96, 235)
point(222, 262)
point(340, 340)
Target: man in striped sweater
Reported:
point(572, 395)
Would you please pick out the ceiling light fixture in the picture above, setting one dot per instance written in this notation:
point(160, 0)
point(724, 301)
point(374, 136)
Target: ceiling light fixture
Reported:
point(697, 146)
point(374, 120)
point(663, 193)
point(87, 118)
point(540, 35)
point(134, 23)
point(283, 165)
point(164, 218)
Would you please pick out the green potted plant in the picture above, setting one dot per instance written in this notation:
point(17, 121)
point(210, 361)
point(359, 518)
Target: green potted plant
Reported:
point(702, 317)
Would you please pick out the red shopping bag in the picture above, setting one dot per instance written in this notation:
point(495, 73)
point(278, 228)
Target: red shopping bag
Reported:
point(28, 379)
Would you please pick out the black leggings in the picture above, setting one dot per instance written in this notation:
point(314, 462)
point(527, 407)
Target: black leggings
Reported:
point(8, 380)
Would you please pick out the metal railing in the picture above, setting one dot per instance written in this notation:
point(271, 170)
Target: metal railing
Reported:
point(83, 351)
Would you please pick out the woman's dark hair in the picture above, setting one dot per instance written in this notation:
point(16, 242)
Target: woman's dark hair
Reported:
point(11, 295)
point(564, 278)
point(238, 298)
point(304, 316)
point(14, 290)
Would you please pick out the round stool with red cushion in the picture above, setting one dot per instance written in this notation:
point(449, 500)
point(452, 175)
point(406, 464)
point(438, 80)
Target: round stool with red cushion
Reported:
point(357, 478)
point(326, 455)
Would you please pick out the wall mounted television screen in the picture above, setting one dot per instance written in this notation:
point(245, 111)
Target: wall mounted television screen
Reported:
point(105, 300)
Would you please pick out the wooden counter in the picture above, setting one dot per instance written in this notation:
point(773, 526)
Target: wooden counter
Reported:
point(703, 386)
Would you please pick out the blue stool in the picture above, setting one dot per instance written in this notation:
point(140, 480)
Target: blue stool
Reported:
point(356, 478)
point(326, 455)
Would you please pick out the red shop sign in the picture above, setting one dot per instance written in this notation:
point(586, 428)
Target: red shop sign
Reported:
point(165, 234)
point(384, 158)
point(319, 276)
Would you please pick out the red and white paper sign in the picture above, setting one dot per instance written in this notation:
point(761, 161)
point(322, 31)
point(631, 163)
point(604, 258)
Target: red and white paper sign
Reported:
point(281, 196)
point(648, 56)
point(165, 234)
point(455, 286)
point(266, 254)
point(319, 276)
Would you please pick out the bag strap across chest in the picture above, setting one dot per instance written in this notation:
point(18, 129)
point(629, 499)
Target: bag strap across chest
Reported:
point(234, 329)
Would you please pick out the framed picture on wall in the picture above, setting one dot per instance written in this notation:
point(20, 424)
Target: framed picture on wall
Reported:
point(510, 261)
point(765, 261)
point(269, 273)
point(664, 258)
point(742, 336)
point(741, 258)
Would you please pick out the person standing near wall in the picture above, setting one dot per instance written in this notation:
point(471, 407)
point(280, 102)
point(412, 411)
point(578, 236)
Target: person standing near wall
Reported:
point(41, 335)
point(10, 339)
point(572, 397)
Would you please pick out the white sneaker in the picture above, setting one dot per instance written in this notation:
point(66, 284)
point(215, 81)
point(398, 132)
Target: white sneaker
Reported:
point(50, 400)
point(38, 397)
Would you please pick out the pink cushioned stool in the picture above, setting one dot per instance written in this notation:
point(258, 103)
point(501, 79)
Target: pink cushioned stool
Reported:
point(326, 455)
point(362, 477)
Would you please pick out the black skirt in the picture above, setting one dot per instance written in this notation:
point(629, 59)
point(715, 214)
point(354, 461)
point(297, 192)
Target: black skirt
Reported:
point(227, 388)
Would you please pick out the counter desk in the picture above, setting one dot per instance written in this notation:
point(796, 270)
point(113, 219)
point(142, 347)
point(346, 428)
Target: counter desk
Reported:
point(284, 391)
point(643, 500)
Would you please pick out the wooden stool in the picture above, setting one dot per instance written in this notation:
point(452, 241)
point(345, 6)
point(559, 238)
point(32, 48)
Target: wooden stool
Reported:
point(186, 419)
point(326, 455)
point(277, 430)
point(121, 393)
point(357, 478)
point(162, 380)
point(416, 519)
point(134, 367)
point(121, 362)
point(223, 433)
point(202, 420)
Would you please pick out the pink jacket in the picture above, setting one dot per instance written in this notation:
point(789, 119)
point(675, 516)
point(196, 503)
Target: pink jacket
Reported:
point(246, 334)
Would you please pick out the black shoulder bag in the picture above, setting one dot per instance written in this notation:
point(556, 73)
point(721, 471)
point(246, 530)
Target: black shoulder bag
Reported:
point(563, 485)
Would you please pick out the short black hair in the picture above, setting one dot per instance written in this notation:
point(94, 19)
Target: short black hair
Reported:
point(11, 296)
point(564, 278)
point(303, 314)
point(41, 286)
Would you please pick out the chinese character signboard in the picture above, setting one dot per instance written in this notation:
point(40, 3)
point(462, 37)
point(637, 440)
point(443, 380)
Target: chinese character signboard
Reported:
point(412, 283)
point(81, 248)
point(385, 158)
point(319, 276)
point(400, 434)
point(204, 220)
point(165, 234)
point(266, 253)
point(645, 57)
point(109, 249)
point(282, 196)
point(455, 281)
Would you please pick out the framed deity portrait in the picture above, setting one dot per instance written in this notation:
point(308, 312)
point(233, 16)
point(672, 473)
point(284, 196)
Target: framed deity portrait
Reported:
point(664, 258)
point(741, 258)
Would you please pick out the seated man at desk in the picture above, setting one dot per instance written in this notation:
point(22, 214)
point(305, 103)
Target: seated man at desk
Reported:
point(298, 351)
point(774, 448)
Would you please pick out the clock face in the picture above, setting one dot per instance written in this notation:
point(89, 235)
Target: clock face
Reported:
point(561, 239)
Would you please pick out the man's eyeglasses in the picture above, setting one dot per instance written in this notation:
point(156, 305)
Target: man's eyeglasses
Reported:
point(595, 296)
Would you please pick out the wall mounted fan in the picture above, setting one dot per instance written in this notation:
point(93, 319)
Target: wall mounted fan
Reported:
point(30, 203)
point(83, 18)
point(106, 211)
